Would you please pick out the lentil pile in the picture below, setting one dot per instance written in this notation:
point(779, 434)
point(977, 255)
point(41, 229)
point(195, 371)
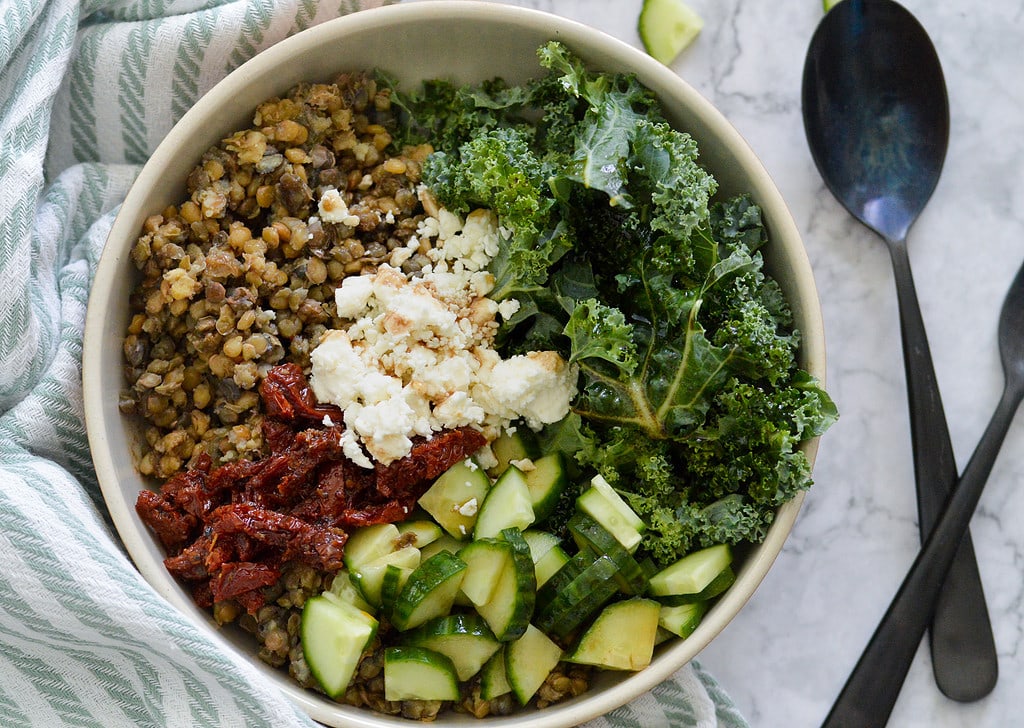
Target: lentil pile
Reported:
point(240, 277)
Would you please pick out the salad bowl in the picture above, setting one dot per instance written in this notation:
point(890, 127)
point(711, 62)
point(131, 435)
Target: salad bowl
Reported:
point(476, 41)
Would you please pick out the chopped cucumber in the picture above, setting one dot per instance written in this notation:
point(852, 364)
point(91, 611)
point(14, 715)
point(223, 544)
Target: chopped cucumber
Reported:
point(666, 27)
point(493, 678)
point(445, 543)
point(367, 543)
point(464, 638)
point(456, 496)
point(334, 636)
point(561, 579)
point(588, 533)
point(604, 505)
point(342, 588)
point(582, 597)
point(621, 637)
point(517, 445)
point(508, 505)
point(546, 482)
point(549, 564)
point(528, 662)
point(682, 620)
point(429, 592)
point(418, 533)
point(692, 573)
point(391, 584)
point(369, 576)
point(511, 605)
point(485, 560)
point(718, 585)
point(416, 673)
point(540, 542)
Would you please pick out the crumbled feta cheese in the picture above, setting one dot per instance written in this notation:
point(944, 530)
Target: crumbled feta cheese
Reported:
point(508, 308)
point(485, 457)
point(524, 464)
point(537, 387)
point(333, 209)
point(328, 422)
point(351, 296)
point(350, 446)
point(469, 508)
point(418, 356)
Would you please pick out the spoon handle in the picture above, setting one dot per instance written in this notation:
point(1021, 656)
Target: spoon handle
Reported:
point(963, 649)
point(870, 693)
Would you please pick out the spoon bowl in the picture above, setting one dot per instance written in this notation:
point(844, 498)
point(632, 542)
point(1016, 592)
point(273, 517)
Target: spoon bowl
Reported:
point(876, 115)
point(876, 112)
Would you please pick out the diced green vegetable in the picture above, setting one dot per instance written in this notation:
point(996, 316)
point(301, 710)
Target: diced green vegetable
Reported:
point(429, 592)
point(485, 559)
point(446, 543)
point(605, 506)
point(588, 533)
point(464, 638)
point(528, 662)
point(391, 584)
point(511, 605)
point(509, 446)
point(508, 505)
point(493, 679)
point(419, 532)
point(546, 481)
point(549, 564)
point(692, 573)
point(342, 588)
point(334, 636)
point(718, 585)
point(621, 637)
point(540, 542)
point(369, 576)
point(456, 496)
point(580, 599)
point(666, 27)
point(682, 620)
point(416, 673)
point(370, 542)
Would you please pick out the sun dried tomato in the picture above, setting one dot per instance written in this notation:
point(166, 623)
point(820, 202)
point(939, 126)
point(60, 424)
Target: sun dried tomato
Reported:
point(228, 530)
point(287, 396)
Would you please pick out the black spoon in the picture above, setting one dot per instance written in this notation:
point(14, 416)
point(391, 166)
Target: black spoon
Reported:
point(877, 121)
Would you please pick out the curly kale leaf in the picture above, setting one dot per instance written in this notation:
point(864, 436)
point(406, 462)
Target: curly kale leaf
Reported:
point(616, 106)
point(498, 169)
point(668, 175)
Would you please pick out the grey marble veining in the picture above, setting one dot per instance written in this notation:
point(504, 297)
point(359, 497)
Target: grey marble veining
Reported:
point(785, 657)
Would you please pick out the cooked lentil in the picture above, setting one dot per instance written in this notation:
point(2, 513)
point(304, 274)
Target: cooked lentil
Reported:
point(240, 275)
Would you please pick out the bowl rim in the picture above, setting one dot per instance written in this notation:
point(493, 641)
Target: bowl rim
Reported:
point(125, 229)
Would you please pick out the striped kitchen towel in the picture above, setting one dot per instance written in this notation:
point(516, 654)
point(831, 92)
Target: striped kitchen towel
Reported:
point(87, 90)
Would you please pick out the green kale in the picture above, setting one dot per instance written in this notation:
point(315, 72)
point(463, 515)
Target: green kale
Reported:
point(498, 169)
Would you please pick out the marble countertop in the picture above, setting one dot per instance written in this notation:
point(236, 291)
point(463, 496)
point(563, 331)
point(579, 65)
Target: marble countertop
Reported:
point(786, 656)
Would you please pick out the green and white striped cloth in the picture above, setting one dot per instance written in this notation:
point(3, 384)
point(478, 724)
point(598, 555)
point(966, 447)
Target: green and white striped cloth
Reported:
point(87, 90)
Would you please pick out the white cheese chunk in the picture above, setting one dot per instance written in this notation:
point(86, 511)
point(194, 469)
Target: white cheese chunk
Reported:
point(418, 355)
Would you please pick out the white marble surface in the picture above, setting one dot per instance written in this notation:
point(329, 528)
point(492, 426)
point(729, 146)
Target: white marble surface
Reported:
point(786, 656)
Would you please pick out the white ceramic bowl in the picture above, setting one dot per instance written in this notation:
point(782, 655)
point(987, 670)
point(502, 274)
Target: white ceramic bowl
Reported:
point(465, 41)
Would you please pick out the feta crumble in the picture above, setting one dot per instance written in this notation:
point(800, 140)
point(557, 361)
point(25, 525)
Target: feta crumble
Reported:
point(418, 355)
